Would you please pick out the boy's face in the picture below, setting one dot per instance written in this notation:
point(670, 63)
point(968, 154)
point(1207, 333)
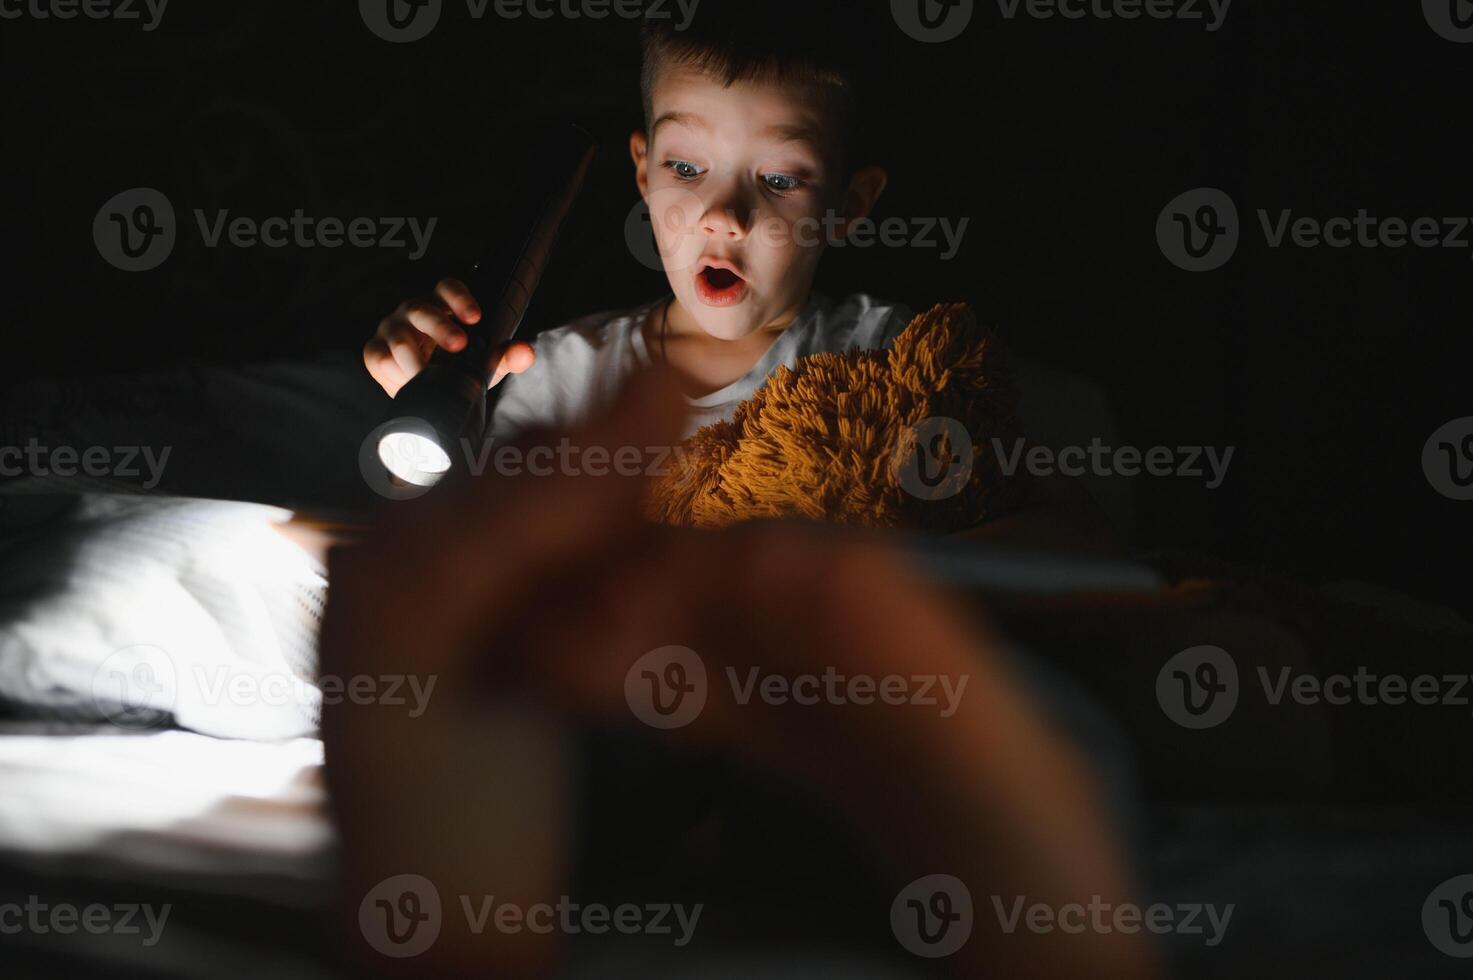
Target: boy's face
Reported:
point(738, 180)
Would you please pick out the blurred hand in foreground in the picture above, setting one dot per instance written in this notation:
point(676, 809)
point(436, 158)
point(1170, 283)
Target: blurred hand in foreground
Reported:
point(546, 591)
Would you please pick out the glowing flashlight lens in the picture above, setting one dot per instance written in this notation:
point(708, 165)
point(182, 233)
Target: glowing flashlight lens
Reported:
point(413, 458)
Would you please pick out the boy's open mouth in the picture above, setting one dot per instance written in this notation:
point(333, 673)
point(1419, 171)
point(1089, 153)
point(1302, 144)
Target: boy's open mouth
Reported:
point(719, 286)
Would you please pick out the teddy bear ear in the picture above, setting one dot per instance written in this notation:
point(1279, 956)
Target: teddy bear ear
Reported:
point(943, 345)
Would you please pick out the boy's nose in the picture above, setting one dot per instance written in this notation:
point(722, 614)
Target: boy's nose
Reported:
point(723, 221)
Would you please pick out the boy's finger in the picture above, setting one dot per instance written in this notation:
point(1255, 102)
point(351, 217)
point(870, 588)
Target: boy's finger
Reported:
point(382, 367)
point(404, 346)
point(458, 297)
point(515, 358)
point(435, 322)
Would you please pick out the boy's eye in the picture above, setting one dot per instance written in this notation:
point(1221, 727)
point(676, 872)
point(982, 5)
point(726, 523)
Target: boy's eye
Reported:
point(683, 169)
point(781, 182)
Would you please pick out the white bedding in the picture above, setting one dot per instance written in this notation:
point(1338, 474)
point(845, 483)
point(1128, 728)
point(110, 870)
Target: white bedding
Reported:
point(167, 801)
point(138, 609)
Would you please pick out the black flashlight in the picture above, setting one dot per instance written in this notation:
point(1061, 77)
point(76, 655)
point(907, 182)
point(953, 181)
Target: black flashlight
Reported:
point(447, 403)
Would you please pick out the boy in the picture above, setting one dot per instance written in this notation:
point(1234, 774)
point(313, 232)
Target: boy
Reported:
point(748, 159)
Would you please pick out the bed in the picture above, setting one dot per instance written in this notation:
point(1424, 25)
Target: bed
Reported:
point(219, 813)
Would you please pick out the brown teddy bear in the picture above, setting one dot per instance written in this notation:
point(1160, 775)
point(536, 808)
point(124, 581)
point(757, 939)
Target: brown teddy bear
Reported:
point(835, 438)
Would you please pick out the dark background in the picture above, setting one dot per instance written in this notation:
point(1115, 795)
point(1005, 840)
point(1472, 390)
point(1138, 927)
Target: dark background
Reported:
point(1061, 140)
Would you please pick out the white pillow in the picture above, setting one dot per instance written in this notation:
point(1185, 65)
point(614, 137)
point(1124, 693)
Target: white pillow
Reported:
point(139, 609)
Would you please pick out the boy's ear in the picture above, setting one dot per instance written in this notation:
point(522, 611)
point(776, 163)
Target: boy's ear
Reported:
point(865, 188)
point(639, 151)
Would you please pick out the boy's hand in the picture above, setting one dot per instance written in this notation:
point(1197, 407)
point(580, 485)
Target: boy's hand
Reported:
point(406, 338)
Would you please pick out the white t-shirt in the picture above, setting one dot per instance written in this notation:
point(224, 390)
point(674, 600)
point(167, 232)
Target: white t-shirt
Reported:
point(581, 367)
